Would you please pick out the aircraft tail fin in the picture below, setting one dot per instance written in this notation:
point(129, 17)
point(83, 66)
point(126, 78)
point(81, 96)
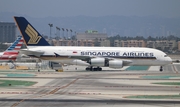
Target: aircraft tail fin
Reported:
point(16, 46)
point(31, 36)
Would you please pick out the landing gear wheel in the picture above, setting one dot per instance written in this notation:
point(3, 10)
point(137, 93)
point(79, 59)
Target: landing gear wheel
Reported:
point(87, 69)
point(93, 69)
point(161, 68)
point(99, 69)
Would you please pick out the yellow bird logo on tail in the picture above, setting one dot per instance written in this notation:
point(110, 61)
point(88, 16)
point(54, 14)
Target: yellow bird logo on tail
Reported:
point(34, 38)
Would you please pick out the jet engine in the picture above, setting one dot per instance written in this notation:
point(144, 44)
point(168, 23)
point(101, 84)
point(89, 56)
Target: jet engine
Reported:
point(105, 62)
point(115, 64)
point(97, 62)
point(12, 56)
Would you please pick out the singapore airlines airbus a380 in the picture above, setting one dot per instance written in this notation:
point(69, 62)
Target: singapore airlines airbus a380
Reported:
point(92, 57)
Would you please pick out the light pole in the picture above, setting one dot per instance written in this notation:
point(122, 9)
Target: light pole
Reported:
point(76, 38)
point(50, 25)
point(67, 33)
point(58, 34)
point(71, 32)
point(63, 33)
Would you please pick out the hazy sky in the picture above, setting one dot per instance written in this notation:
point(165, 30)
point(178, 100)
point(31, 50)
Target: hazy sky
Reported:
point(45, 8)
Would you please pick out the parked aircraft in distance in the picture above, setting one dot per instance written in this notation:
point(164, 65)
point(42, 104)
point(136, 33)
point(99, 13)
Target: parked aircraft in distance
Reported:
point(11, 53)
point(92, 57)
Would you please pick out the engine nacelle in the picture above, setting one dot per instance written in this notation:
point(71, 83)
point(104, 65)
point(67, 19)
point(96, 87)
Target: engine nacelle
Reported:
point(115, 64)
point(24, 56)
point(13, 56)
point(105, 62)
point(79, 62)
point(97, 62)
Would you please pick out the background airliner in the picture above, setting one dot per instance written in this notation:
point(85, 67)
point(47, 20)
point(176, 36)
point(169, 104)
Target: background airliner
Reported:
point(11, 53)
point(93, 57)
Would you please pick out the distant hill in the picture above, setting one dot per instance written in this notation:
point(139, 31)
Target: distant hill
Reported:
point(112, 25)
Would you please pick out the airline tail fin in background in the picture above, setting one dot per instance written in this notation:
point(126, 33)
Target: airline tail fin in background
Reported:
point(31, 36)
point(12, 52)
point(16, 46)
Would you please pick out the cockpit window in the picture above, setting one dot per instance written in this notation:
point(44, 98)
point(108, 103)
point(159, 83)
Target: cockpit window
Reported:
point(165, 55)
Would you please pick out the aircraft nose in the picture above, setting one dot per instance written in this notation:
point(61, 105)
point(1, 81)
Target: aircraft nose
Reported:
point(169, 60)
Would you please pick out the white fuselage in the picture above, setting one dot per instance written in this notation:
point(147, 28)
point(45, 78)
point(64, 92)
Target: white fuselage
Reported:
point(74, 54)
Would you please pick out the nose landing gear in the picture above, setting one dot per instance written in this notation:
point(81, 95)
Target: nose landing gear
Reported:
point(161, 68)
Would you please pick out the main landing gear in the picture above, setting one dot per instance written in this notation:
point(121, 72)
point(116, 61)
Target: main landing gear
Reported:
point(161, 68)
point(93, 68)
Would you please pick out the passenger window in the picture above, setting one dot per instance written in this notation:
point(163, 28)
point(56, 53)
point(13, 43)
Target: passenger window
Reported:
point(165, 55)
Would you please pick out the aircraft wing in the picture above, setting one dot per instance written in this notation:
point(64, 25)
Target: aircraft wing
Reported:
point(88, 58)
point(30, 52)
point(83, 58)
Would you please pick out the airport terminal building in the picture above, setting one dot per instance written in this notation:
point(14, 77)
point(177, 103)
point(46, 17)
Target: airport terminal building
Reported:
point(7, 32)
point(91, 35)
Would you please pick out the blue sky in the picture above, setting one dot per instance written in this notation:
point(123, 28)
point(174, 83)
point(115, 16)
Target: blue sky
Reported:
point(95, 8)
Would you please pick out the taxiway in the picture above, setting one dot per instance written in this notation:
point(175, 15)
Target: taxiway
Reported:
point(117, 88)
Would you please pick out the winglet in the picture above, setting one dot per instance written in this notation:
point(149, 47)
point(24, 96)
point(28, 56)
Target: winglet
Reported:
point(56, 55)
point(31, 36)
